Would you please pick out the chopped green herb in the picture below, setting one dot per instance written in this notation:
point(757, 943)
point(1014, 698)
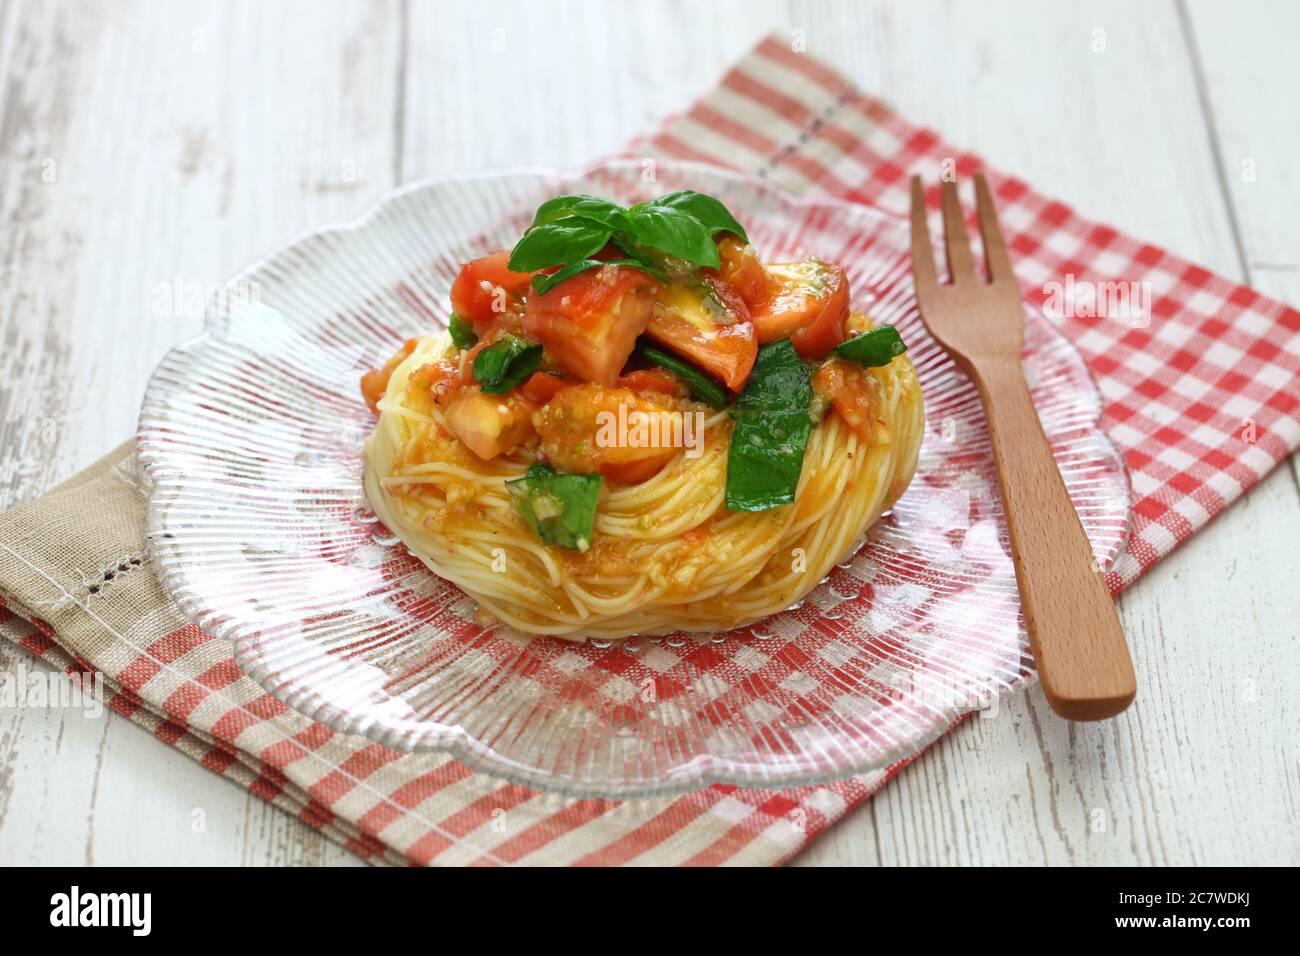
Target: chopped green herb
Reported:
point(771, 431)
point(646, 261)
point(701, 386)
point(568, 230)
point(462, 333)
point(561, 509)
point(545, 282)
point(505, 364)
point(872, 348)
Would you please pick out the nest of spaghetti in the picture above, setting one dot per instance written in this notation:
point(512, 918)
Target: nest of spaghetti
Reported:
point(639, 440)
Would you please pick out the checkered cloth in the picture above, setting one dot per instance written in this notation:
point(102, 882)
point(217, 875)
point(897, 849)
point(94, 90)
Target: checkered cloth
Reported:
point(1199, 378)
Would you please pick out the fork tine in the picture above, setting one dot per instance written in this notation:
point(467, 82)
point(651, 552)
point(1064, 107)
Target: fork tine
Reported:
point(923, 273)
point(995, 247)
point(960, 264)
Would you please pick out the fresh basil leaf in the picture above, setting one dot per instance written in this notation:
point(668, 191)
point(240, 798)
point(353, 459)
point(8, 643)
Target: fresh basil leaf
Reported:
point(779, 381)
point(600, 210)
point(557, 243)
point(771, 431)
point(675, 232)
point(710, 212)
point(552, 209)
point(701, 386)
point(462, 333)
point(561, 509)
point(592, 208)
point(644, 260)
point(506, 364)
point(872, 348)
point(544, 283)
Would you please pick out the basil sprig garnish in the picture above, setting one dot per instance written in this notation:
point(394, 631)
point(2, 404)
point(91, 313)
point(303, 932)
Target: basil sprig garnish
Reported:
point(568, 231)
point(592, 208)
point(506, 364)
point(675, 232)
point(706, 209)
point(644, 260)
point(558, 243)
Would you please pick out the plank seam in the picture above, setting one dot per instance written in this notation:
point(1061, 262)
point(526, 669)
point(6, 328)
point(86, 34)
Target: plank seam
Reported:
point(399, 100)
point(1212, 132)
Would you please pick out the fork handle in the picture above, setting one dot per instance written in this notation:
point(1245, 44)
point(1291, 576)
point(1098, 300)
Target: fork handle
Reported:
point(1074, 630)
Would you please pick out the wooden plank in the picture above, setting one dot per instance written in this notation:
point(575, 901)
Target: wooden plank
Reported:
point(1130, 91)
point(1249, 74)
point(1213, 636)
point(149, 150)
point(498, 83)
point(245, 144)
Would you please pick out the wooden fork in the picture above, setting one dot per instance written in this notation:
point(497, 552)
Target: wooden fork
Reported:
point(1074, 631)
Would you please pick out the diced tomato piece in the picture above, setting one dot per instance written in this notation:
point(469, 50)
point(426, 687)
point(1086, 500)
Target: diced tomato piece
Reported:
point(617, 432)
point(590, 323)
point(848, 387)
point(697, 535)
point(635, 472)
point(743, 271)
point(430, 382)
point(489, 425)
point(726, 352)
point(433, 375)
point(486, 288)
point(375, 382)
point(467, 356)
point(809, 303)
point(709, 326)
point(373, 385)
point(652, 380)
point(733, 303)
point(541, 387)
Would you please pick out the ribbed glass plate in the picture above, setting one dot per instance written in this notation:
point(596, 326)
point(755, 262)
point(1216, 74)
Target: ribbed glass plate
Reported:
point(252, 436)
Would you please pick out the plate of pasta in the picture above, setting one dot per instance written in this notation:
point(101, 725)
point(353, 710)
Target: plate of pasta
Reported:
point(618, 482)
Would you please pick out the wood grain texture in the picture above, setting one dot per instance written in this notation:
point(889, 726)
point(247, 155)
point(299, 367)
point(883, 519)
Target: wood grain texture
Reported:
point(1080, 654)
point(187, 138)
point(149, 151)
point(1183, 777)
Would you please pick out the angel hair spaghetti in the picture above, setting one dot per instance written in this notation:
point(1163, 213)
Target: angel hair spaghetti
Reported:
point(634, 426)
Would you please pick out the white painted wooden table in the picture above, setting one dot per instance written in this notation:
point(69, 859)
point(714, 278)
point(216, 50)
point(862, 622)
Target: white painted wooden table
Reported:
point(148, 149)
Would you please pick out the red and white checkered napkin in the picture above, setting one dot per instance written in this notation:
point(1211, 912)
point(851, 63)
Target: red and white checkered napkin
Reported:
point(1202, 393)
point(1202, 399)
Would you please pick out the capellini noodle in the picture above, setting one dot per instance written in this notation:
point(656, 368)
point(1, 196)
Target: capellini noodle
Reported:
point(666, 554)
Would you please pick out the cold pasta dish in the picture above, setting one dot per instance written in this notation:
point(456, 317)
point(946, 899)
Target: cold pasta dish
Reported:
point(634, 425)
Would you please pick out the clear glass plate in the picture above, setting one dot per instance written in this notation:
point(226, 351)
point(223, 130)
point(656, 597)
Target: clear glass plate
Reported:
point(252, 435)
